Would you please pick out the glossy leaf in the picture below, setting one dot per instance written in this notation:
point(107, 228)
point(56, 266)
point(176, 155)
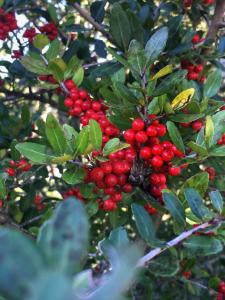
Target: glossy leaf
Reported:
point(37, 153)
point(203, 245)
point(217, 200)
point(55, 135)
point(60, 238)
point(175, 136)
point(213, 83)
point(95, 135)
point(196, 204)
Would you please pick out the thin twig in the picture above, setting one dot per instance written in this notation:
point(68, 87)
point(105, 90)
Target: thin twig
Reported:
point(183, 236)
point(84, 14)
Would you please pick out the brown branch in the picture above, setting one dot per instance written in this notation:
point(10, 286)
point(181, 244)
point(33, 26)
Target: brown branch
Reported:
point(217, 19)
point(174, 242)
point(84, 14)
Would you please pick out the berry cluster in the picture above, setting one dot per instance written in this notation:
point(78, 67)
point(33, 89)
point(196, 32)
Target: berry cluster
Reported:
point(212, 172)
point(75, 191)
point(194, 70)
point(196, 125)
point(80, 104)
point(188, 3)
point(111, 177)
point(8, 23)
point(221, 291)
point(17, 54)
point(144, 138)
point(221, 141)
point(38, 202)
point(150, 209)
point(30, 33)
point(21, 166)
point(50, 30)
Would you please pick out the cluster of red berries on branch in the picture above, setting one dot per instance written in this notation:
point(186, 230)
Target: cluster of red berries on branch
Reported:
point(81, 105)
point(49, 29)
point(74, 191)
point(30, 33)
point(111, 178)
point(194, 71)
point(144, 137)
point(195, 125)
point(16, 167)
point(221, 141)
point(188, 3)
point(38, 202)
point(221, 291)
point(8, 23)
point(212, 172)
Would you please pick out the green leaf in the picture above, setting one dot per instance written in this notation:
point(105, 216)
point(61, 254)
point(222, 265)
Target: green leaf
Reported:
point(218, 151)
point(53, 50)
point(118, 239)
point(3, 193)
point(217, 200)
point(209, 130)
point(113, 145)
point(200, 150)
point(219, 126)
point(57, 66)
point(136, 59)
point(203, 245)
point(185, 118)
point(16, 250)
point(37, 153)
point(212, 84)
point(55, 135)
point(120, 26)
point(199, 182)
point(82, 140)
point(144, 223)
point(196, 204)
point(124, 93)
point(25, 115)
point(74, 176)
point(40, 41)
point(78, 76)
point(165, 265)
point(61, 240)
point(175, 136)
point(95, 135)
point(169, 82)
point(175, 207)
point(124, 268)
point(51, 285)
point(153, 107)
point(52, 12)
point(35, 65)
point(156, 44)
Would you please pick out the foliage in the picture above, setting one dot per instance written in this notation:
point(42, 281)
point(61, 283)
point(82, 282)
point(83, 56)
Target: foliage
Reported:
point(121, 105)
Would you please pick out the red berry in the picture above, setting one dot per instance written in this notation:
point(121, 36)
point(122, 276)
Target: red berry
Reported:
point(154, 179)
point(197, 125)
point(157, 161)
point(117, 197)
point(199, 68)
point(150, 209)
point(146, 152)
point(68, 102)
point(138, 125)
point(96, 106)
point(174, 171)
point(109, 191)
point(111, 180)
point(151, 131)
point(10, 171)
point(109, 205)
point(106, 167)
point(129, 136)
point(161, 129)
point(141, 137)
point(122, 179)
point(127, 188)
point(167, 155)
point(212, 172)
point(157, 149)
point(118, 167)
point(195, 39)
point(97, 174)
point(192, 76)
